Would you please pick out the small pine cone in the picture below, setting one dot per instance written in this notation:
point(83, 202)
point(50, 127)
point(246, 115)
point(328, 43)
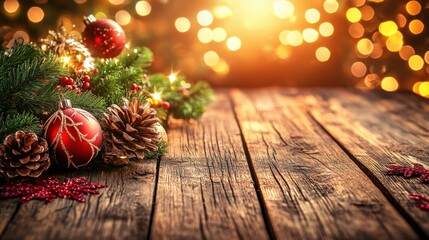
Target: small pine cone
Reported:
point(24, 154)
point(130, 129)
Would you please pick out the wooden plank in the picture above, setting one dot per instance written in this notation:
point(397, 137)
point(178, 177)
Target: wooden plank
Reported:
point(311, 188)
point(378, 130)
point(205, 189)
point(121, 211)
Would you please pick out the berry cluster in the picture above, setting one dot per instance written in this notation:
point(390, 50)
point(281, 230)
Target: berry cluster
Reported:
point(79, 85)
point(154, 103)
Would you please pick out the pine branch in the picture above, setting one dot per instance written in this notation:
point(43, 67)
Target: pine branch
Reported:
point(193, 107)
point(162, 149)
point(20, 121)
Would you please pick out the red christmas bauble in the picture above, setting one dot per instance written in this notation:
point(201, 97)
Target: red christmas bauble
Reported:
point(74, 136)
point(104, 38)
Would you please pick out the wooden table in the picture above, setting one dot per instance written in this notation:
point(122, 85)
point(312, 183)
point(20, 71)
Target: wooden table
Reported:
point(261, 164)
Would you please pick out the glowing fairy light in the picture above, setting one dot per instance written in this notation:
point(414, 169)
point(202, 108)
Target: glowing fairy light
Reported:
point(283, 9)
point(156, 97)
point(143, 8)
point(205, 18)
point(323, 54)
point(182, 24)
point(11, 6)
point(35, 14)
point(389, 84)
point(233, 43)
point(172, 77)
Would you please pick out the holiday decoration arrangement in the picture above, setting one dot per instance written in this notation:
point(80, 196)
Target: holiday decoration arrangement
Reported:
point(66, 101)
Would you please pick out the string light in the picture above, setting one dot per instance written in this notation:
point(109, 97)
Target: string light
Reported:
point(11, 6)
point(35, 14)
point(172, 77)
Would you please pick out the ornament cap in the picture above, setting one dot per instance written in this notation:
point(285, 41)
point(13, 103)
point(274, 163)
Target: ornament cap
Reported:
point(66, 103)
point(89, 19)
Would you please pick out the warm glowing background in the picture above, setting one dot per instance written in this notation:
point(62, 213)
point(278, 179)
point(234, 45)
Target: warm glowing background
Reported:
point(360, 43)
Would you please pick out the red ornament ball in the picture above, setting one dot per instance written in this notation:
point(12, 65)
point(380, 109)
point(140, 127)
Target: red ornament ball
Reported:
point(104, 38)
point(74, 136)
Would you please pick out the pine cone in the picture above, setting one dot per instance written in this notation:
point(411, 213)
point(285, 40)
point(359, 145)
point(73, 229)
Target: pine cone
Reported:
point(130, 129)
point(24, 154)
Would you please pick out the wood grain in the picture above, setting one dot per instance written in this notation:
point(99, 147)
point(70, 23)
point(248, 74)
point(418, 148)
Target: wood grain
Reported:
point(312, 189)
point(205, 189)
point(378, 129)
point(121, 211)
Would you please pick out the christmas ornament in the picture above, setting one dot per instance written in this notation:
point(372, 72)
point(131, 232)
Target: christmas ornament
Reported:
point(105, 38)
point(70, 50)
point(49, 189)
point(130, 130)
point(74, 136)
point(24, 154)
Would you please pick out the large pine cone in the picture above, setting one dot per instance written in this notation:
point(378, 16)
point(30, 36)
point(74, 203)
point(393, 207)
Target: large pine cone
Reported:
point(24, 154)
point(130, 129)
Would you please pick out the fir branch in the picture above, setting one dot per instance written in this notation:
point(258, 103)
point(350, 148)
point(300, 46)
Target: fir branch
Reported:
point(20, 121)
point(162, 149)
point(193, 107)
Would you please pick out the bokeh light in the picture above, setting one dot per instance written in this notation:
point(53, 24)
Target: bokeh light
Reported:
point(205, 35)
point(413, 7)
point(416, 26)
point(283, 9)
point(211, 58)
point(233, 43)
point(323, 54)
point(353, 15)
point(35, 14)
point(310, 35)
point(367, 13)
point(312, 15)
point(143, 8)
point(416, 62)
point(356, 30)
point(123, 17)
point(388, 28)
point(11, 6)
point(294, 38)
point(116, 2)
point(219, 34)
point(358, 69)
point(423, 89)
point(406, 52)
point(205, 18)
point(182, 24)
point(330, 6)
point(326, 29)
point(395, 42)
point(389, 84)
point(365, 46)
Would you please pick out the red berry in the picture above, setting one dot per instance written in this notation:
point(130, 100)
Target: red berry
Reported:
point(43, 80)
point(78, 91)
point(69, 87)
point(166, 105)
point(70, 81)
point(59, 87)
point(64, 79)
point(86, 78)
point(139, 87)
point(134, 86)
point(145, 76)
point(86, 85)
point(36, 91)
point(95, 70)
point(93, 89)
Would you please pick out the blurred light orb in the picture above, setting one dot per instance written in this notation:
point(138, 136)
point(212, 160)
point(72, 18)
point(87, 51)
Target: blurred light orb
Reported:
point(401, 20)
point(143, 8)
point(372, 80)
point(222, 12)
point(204, 18)
point(100, 15)
point(22, 34)
point(358, 69)
point(395, 42)
point(80, 1)
point(294, 38)
point(283, 36)
point(182, 24)
point(389, 84)
point(123, 17)
point(221, 68)
point(377, 52)
point(416, 26)
point(359, 3)
point(310, 35)
point(365, 46)
point(219, 34)
point(356, 30)
point(367, 13)
point(326, 29)
point(205, 35)
point(413, 8)
point(424, 89)
point(312, 15)
point(283, 52)
point(211, 58)
point(233, 43)
point(406, 52)
point(330, 6)
point(388, 28)
point(353, 15)
point(323, 54)
point(416, 62)
point(283, 9)
point(116, 2)
point(427, 57)
point(11, 6)
point(35, 14)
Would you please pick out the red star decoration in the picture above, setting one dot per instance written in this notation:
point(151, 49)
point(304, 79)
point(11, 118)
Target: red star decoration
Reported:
point(49, 189)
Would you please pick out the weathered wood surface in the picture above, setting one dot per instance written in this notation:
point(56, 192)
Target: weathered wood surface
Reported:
point(121, 211)
point(377, 130)
point(261, 164)
point(312, 189)
point(205, 189)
